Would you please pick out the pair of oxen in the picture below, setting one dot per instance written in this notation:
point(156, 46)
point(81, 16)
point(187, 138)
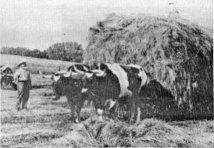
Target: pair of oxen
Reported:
point(105, 84)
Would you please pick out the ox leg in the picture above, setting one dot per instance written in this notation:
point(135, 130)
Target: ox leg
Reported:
point(132, 113)
point(112, 108)
point(138, 114)
point(72, 106)
point(98, 107)
point(112, 103)
point(56, 98)
point(100, 114)
point(132, 109)
point(76, 114)
point(80, 103)
point(138, 110)
point(57, 95)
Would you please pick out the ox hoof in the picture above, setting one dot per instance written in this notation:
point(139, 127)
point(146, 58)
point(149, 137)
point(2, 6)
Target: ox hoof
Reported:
point(55, 99)
point(76, 121)
point(18, 109)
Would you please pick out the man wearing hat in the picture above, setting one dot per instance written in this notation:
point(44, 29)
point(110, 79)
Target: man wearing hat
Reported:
point(23, 81)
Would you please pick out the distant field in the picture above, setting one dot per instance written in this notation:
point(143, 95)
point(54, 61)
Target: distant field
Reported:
point(35, 64)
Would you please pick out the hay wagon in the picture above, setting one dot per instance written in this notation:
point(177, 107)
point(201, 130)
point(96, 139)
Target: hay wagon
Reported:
point(7, 77)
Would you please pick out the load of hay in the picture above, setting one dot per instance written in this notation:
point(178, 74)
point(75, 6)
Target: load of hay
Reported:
point(176, 53)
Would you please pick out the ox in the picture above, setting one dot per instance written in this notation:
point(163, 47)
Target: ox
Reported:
point(79, 71)
point(105, 83)
point(68, 84)
point(117, 82)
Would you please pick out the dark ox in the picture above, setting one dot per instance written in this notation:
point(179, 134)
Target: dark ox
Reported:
point(117, 82)
point(79, 71)
point(70, 84)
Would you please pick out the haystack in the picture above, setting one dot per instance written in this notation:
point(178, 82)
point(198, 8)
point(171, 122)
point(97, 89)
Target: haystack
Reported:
point(175, 52)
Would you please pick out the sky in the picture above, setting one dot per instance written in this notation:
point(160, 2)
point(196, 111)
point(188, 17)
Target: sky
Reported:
point(37, 24)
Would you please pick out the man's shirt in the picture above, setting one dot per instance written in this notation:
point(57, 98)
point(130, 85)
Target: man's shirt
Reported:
point(22, 74)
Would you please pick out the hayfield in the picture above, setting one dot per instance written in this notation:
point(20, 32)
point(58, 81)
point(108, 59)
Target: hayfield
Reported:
point(35, 64)
point(47, 123)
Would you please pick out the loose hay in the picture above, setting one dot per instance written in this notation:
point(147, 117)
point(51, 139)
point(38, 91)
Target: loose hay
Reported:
point(27, 137)
point(78, 137)
point(148, 133)
point(48, 125)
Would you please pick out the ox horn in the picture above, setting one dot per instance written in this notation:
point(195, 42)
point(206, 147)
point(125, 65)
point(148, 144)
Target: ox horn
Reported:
point(45, 76)
point(88, 75)
point(99, 73)
point(69, 73)
point(74, 75)
point(66, 74)
point(83, 75)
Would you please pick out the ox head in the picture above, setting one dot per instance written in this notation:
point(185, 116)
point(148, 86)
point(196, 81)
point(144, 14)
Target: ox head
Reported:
point(68, 81)
point(62, 81)
point(92, 78)
point(57, 81)
point(102, 84)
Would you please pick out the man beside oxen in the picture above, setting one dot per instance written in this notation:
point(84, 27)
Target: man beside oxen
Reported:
point(105, 83)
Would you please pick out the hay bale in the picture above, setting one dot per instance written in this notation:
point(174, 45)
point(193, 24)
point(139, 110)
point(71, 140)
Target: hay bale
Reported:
point(177, 53)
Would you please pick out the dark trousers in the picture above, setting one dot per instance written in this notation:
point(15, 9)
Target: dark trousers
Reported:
point(23, 95)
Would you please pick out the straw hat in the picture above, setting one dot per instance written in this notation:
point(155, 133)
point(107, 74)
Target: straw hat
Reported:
point(22, 61)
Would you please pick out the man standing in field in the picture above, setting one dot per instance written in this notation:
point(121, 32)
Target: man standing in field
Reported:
point(23, 81)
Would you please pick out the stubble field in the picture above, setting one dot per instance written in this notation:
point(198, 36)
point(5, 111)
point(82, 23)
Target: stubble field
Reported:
point(47, 123)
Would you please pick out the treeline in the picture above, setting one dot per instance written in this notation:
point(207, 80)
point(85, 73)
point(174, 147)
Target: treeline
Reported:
point(66, 51)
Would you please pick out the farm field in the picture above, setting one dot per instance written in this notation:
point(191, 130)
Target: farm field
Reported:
point(47, 123)
point(35, 64)
point(145, 77)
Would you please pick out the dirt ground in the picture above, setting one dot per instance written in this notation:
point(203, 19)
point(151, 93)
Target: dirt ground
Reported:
point(47, 123)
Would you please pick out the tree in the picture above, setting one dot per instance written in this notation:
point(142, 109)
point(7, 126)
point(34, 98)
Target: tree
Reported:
point(66, 51)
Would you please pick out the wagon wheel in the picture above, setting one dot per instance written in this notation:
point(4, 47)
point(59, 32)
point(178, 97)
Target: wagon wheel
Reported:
point(7, 81)
point(4, 82)
point(13, 85)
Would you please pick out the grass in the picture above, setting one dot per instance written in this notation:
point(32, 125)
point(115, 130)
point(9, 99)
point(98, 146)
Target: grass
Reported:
point(47, 123)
